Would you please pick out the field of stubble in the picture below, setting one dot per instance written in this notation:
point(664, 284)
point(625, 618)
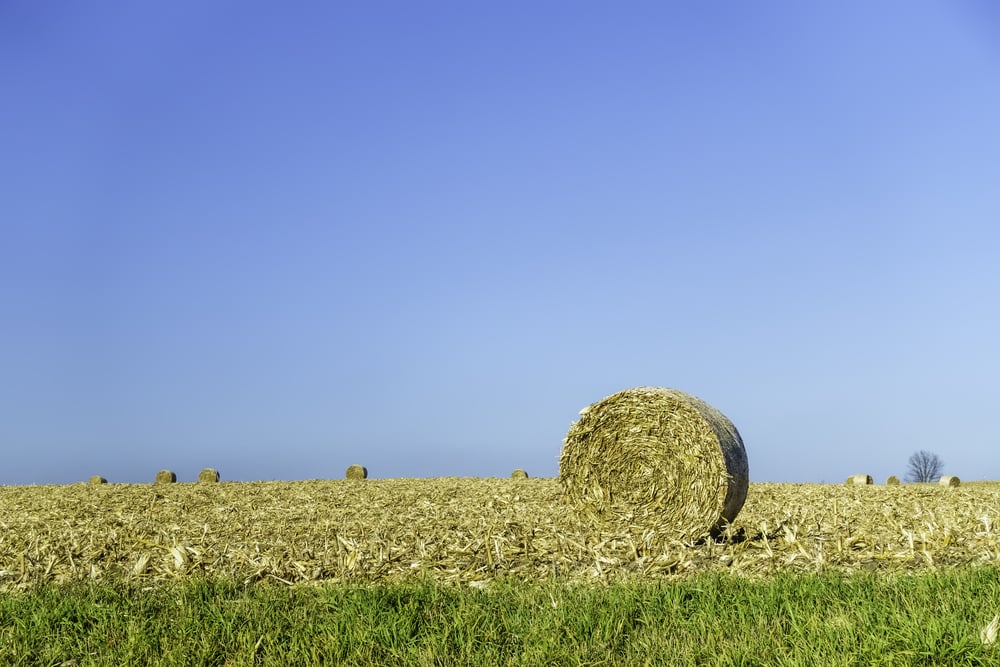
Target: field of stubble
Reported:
point(469, 531)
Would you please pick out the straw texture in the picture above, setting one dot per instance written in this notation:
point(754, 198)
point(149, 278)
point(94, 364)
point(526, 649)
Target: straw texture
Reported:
point(357, 472)
point(166, 477)
point(656, 458)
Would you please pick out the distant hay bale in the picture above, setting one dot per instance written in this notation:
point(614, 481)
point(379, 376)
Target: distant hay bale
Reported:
point(97, 479)
point(519, 474)
point(892, 480)
point(949, 480)
point(208, 475)
point(859, 480)
point(357, 472)
point(165, 477)
point(655, 458)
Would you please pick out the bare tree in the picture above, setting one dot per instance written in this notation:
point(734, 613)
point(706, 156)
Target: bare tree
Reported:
point(924, 466)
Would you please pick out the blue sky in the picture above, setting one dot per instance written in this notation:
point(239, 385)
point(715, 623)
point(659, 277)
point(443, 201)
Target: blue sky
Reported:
point(281, 238)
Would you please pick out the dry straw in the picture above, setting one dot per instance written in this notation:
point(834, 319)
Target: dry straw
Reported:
point(949, 480)
point(208, 475)
point(165, 477)
point(97, 479)
point(859, 480)
point(357, 472)
point(655, 458)
point(988, 635)
point(466, 531)
point(519, 474)
point(892, 480)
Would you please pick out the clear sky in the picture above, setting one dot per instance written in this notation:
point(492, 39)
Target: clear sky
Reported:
point(281, 238)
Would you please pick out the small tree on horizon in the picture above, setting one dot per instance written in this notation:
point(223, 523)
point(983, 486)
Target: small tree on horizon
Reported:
point(924, 466)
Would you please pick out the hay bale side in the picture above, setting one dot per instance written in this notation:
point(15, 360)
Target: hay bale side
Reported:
point(97, 479)
point(519, 474)
point(208, 475)
point(655, 458)
point(892, 480)
point(859, 480)
point(166, 477)
point(357, 472)
point(949, 480)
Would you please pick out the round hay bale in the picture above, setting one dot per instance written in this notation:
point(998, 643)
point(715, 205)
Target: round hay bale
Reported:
point(97, 479)
point(208, 475)
point(357, 472)
point(949, 480)
point(892, 480)
point(655, 458)
point(165, 477)
point(859, 480)
point(519, 474)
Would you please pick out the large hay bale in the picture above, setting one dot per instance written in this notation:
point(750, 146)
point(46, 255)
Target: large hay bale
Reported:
point(97, 479)
point(859, 480)
point(655, 458)
point(949, 480)
point(519, 474)
point(165, 477)
point(208, 475)
point(357, 472)
point(892, 480)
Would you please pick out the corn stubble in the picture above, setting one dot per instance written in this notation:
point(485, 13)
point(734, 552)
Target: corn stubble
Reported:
point(468, 531)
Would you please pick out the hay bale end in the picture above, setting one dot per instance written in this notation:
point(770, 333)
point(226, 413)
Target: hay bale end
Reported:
point(166, 477)
point(859, 480)
point(892, 480)
point(357, 472)
point(209, 475)
point(657, 458)
point(949, 480)
point(519, 474)
point(97, 479)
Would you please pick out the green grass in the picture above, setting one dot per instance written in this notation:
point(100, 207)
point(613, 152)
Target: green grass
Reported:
point(864, 619)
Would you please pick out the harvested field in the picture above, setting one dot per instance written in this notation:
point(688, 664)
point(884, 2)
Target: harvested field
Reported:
point(467, 531)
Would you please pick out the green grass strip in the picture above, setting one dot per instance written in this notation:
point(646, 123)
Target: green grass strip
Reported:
point(925, 619)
